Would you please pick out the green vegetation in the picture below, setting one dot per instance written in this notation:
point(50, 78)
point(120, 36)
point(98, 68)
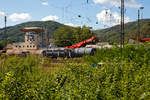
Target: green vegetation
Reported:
point(66, 36)
point(123, 76)
point(1, 45)
point(131, 29)
point(63, 36)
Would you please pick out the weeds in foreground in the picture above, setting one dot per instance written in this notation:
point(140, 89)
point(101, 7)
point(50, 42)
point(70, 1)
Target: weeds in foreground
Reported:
point(126, 77)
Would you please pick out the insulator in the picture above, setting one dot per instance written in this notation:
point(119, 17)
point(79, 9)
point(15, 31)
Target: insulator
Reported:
point(79, 15)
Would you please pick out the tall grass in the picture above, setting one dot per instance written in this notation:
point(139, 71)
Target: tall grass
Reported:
point(119, 78)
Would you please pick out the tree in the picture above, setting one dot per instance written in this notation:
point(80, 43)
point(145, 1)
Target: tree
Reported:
point(77, 34)
point(86, 33)
point(145, 30)
point(67, 36)
point(1, 45)
point(63, 36)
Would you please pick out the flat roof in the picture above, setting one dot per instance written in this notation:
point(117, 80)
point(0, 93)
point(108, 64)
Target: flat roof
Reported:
point(35, 29)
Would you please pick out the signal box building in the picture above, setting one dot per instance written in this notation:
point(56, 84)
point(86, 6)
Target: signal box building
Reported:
point(35, 38)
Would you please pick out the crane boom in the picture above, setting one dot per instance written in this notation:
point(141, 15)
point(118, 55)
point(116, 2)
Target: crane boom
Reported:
point(78, 45)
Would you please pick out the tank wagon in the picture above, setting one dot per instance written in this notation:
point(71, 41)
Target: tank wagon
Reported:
point(68, 53)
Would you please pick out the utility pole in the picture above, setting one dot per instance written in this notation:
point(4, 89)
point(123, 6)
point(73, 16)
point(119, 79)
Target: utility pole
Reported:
point(122, 24)
point(138, 34)
point(5, 33)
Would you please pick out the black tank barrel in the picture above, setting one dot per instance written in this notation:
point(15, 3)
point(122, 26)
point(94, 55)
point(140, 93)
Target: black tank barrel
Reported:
point(67, 52)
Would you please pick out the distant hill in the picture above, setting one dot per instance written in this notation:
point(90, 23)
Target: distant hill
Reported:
point(14, 34)
point(131, 29)
point(108, 34)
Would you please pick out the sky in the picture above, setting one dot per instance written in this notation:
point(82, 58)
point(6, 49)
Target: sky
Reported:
point(97, 14)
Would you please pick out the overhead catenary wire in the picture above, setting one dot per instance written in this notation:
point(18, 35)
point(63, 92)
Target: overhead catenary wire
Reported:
point(68, 13)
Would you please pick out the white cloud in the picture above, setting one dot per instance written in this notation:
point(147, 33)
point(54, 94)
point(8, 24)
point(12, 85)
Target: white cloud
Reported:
point(100, 1)
point(2, 13)
point(71, 24)
point(45, 3)
point(132, 4)
point(110, 19)
point(15, 17)
point(128, 3)
point(47, 18)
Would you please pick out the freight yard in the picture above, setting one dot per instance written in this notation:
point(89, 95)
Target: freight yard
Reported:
point(37, 43)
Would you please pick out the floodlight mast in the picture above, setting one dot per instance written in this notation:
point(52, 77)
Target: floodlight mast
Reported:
point(139, 23)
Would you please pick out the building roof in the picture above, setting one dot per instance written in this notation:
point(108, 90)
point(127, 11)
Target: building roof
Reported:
point(36, 29)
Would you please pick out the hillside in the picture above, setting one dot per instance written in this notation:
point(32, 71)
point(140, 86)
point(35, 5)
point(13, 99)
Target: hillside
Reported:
point(14, 34)
point(131, 28)
point(108, 34)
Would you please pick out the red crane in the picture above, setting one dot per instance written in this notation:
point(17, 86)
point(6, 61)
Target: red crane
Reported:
point(78, 45)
